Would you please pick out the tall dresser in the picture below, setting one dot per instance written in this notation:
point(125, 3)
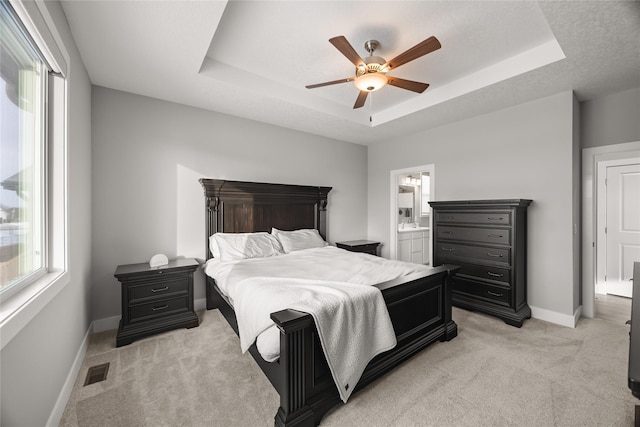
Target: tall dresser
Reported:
point(488, 239)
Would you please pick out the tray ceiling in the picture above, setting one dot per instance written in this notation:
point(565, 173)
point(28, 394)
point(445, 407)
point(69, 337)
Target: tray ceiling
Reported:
point(253, 58)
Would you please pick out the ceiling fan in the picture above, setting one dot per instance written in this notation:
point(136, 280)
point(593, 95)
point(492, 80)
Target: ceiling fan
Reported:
point(371, 73)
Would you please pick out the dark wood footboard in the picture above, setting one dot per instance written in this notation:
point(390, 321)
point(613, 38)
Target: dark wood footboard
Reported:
point(420, 309)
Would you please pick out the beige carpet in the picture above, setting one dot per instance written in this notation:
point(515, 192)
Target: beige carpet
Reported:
point(492, 374)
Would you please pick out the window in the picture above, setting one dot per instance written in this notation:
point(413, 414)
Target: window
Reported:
point(23, 154)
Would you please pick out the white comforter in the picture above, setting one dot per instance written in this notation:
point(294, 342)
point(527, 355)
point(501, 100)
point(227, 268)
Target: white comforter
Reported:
point(327, 263)
point(352, 320)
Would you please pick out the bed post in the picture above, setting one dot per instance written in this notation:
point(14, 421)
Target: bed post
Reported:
point(323, 193)
point(211, 206)
point(450, 327)
point(295, 328)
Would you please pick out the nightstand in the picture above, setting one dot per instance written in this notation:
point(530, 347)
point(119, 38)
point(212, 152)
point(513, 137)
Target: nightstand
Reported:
point(155, 299)
point(366, 246)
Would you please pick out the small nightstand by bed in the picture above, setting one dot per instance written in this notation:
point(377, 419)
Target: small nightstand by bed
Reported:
point(155, 299)
point(366, 246)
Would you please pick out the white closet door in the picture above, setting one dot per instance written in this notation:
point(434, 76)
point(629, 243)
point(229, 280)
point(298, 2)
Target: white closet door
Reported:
point(623, 227)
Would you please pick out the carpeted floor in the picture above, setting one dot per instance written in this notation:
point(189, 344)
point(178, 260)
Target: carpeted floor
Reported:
point(492, 374)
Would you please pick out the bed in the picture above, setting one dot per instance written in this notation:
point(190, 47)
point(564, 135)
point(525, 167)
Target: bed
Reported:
point(419, 305)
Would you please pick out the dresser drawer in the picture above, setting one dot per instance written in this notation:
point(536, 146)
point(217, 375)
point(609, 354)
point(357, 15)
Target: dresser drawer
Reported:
point(494, 255)
point(155, 309)
point(484, 291)
point(501, 276)
point(158, 289)
point(483, 235)
point(501, 218)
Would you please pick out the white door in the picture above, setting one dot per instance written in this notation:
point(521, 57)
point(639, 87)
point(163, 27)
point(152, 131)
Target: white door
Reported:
point(623, 227)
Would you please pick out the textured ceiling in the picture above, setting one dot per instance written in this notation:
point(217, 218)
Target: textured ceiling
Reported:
point(253, 59)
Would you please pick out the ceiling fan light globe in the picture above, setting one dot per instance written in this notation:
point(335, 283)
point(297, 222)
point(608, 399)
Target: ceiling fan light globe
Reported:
point(371, 82)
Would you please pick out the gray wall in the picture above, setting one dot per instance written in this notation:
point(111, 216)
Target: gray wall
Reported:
point(526, 151)
point(611, 119)
point(35, 364)
point(148, 156)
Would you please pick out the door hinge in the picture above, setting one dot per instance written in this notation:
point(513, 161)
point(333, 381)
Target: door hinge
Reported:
point(605, 277)
point(605, 230)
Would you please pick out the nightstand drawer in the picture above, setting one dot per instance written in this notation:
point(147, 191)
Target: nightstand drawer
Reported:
point(494, 255)
point(494, 294)
point(482, 235)
point(158, 289)
point(155, 309)
point(501, 218)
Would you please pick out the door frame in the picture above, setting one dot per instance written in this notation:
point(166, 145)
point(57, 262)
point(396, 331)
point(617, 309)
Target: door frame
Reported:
point(393, 212)
point(601, 217)
point(591, 158)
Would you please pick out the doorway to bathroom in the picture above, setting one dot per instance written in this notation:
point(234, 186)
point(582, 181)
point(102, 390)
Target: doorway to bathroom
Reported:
point(410, 214)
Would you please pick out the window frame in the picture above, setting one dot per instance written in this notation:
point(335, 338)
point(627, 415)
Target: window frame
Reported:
point(20, 308)
point(40, 147)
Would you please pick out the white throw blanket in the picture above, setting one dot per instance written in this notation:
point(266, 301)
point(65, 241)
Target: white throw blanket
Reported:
point(352, 320)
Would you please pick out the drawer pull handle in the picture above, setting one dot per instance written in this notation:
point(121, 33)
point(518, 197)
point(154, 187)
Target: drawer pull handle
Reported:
point(160, 308)
point(494, 274)
point(494, 294)
point(494, 255)
point(448, 217)
point(448, 249)
point(494, 218)
point(166, 288)
point(494, 235)
point(447, 232)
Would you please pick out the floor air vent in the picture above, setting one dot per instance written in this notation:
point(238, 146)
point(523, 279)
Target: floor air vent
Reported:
point(96, 374)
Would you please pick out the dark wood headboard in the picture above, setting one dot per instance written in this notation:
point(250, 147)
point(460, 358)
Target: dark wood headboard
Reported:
point(247, 207)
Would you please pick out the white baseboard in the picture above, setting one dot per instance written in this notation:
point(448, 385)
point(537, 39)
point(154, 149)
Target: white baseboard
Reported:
point(106, 324)
point(109, 323)
point(555, 317)
point(63, 397)
point(577, 315)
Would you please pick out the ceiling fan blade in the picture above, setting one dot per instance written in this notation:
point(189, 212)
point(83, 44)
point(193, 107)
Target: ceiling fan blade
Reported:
point(346, 49)
point(421, 49)
point(407, 84)
point(362, 97)
point(334, 82)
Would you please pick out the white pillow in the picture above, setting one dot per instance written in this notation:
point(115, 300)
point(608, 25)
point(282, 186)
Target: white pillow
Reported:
point(231, 246)
point(213, 246)
point(299, 239)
